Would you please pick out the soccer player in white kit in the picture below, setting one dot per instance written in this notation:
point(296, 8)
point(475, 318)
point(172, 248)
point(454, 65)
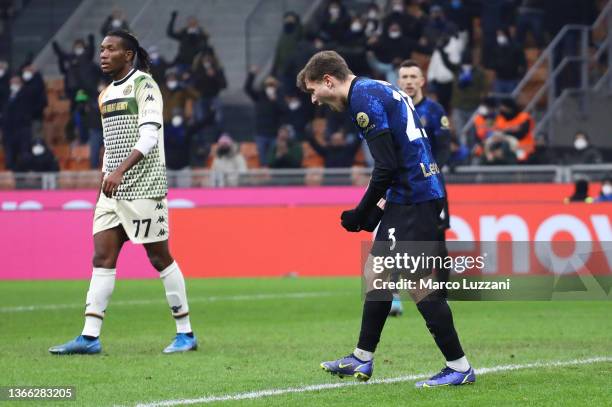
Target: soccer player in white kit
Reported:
point(132, 203)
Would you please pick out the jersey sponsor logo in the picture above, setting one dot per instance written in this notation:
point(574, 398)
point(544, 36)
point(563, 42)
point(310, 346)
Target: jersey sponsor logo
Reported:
point(444, 122)
point(149, 98)
point(431, 169)
point(127, 90)
point(114, 107)
point(363, 120)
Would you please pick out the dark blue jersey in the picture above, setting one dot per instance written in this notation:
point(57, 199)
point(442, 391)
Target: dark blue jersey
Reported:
point(435, 122)
point(377, 107)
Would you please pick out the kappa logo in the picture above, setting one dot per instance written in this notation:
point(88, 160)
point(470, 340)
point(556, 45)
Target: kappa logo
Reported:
point(175, 309)
point(149, 98)
point(161, 219)
point(162, 232)
point(159, 206)
point(148, 86)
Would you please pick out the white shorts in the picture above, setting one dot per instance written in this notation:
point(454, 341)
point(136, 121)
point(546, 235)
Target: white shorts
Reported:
point(144, 220)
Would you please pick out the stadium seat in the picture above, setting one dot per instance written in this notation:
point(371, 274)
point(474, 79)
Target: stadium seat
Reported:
point(79, 158)
point(248, 149)
point(310, 158)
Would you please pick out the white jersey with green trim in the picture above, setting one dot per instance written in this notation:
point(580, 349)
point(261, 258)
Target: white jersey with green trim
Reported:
point(125, 105)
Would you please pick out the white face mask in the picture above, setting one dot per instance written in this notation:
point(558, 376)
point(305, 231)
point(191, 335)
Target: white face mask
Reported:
point(606, 189)
point(502, 39)
point(580, 144)
point(116, 23)
point(483, 110)
point(193, 30)
point(334, 12)
point(2, 72)
point(373, 14)
point(15, 88)
point(38, 149)
point(79, 51)
point(356, 26)
point(27, 75)
point(172, 84)
point(398, 8)
point(271, 92)
point(394, 34)
point(294, 105)
point(177, 121)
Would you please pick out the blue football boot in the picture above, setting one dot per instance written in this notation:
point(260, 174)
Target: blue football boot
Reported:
point(182, 343)
point(449, 377)
point(78, 345)
point(397, 308)
point(350, 366)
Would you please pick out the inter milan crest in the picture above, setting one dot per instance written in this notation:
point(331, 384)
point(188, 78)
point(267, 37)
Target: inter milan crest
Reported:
point(362, 120)
point(127, 90)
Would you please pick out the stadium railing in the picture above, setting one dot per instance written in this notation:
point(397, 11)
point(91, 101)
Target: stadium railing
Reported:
point(201, 178)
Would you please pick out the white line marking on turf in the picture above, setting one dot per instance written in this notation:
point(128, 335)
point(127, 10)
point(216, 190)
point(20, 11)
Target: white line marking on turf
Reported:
point(328, 386)
point(247, 297)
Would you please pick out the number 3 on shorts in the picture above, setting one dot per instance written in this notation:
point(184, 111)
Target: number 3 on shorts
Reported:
point(392, 238)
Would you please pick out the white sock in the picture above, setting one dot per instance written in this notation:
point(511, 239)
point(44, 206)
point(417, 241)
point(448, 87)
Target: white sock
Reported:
point(101, 288)
point(460, 365)
point(174, 284)
point(363, 354)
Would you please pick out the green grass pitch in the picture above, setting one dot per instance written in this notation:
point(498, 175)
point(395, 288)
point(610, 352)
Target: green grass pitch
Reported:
point(266, 334)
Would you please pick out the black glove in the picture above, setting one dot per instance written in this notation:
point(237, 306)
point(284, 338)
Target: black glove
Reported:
point(351, 220)
point(372, 219)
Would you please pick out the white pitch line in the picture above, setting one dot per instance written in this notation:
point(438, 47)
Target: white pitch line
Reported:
point(328, 386)
point(246, 297)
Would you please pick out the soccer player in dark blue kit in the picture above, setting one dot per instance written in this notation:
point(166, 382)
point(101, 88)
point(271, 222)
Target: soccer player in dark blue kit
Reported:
point(407, 176)
point(436, 125)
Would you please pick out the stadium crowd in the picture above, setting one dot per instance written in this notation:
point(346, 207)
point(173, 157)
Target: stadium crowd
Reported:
point(465, 74)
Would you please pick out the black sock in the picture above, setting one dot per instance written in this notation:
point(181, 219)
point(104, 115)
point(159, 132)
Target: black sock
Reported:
point(439, 320)
point(375, 311)
point(90, 338)
point(190, 334)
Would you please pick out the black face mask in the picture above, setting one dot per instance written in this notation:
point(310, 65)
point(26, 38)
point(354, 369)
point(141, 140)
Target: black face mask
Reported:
point(223, 151)
point(289, 27)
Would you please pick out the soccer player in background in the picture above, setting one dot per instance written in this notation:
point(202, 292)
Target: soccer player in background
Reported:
point(436, 125)
point(131, 200)
point(406, 174)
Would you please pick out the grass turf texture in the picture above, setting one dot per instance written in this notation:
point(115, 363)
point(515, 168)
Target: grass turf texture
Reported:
point(256, 343)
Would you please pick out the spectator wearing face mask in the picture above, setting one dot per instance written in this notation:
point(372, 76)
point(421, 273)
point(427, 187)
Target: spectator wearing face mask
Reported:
point(484, 125)
point(34, 87)
point(297, 113)
point(353, 49)
point(442, 67)
point(16, 124)
point(115, 21)
point(499, 149)
point(606, 190)
point(78, 68)
point(411, 26)
point(159, 65)
point(437, 28)
point(228, 163)
point(39, 158)
point(268, 111)
point(517, 124)
point(388, 51)
point(286, 47)
point(209, 80)
point(583, 152)
point(509, 64)
point(335, 23)
point(469, 87)
point(285, 151)
point(372, 21)
point(192, 39)
point(176, 95)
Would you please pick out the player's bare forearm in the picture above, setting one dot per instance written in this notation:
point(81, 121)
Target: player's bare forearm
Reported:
point(111, 183)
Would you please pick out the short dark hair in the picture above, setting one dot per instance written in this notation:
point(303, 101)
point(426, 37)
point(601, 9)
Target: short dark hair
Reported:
point(411, 63)
point(320, 64)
